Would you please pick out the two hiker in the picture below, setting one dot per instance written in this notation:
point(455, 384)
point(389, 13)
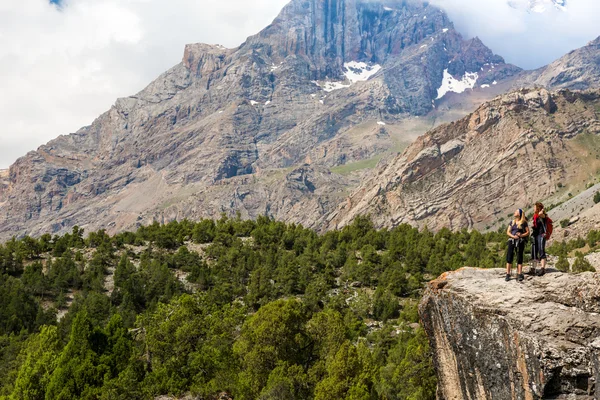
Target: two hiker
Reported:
point(518, 231)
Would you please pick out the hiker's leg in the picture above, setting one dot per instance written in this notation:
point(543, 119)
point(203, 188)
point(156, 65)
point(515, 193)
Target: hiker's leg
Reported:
point(543, 256)
point(520, 258)
point(510, 254)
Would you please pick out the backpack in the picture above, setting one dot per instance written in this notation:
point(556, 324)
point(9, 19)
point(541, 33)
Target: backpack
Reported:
point(549, 227)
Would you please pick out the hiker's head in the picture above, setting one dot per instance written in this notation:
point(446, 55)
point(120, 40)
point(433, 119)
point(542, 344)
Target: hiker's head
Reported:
point(518, 214)
point(520, 217)
point(539, 208)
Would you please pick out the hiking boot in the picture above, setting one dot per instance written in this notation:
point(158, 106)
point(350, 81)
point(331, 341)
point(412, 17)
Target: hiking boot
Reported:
point(541, 272)
point(520, 277)
point(507, 277)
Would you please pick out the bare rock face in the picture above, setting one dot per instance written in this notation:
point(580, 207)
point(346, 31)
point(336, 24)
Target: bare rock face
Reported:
point(498, 340)
point(3, 184)
point(254, 129)
point(508, 154)
point(578, 70)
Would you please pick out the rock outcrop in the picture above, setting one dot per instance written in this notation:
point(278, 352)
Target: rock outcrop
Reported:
point(578, 70)
point(254, 129)
point(511, 152)
point(500, 340)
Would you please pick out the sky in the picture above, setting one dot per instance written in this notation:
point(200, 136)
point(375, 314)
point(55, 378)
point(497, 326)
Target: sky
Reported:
point(63, 63)
point(527, 39)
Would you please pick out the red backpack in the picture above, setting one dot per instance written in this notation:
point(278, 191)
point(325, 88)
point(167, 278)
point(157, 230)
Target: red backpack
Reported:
point(549, 227)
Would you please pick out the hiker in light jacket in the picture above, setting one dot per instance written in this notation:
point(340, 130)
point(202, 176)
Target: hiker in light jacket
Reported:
point(518, 231)
point(538, 251)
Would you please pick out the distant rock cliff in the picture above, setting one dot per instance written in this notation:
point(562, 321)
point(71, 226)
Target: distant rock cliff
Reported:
point(512, 151)
point(500, 340)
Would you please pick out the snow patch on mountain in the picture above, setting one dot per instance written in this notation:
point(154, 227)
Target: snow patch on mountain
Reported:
point(354, 72)
point(331, 86)
point(360, 71)
point(451, 84)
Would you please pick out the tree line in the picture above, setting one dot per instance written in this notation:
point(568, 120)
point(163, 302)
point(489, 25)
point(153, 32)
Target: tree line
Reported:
point(256, 309)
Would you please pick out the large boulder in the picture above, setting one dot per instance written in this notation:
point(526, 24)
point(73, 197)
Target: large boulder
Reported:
point(493, 339)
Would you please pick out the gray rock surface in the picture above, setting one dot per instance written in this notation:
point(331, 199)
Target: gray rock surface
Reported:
point(499, 340)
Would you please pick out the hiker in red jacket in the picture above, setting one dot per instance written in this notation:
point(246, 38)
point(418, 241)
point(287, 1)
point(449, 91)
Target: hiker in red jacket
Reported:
point(541, 233)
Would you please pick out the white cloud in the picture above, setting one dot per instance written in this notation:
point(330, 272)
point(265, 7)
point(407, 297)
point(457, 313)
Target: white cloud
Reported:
point(62, 67)
point(527, 39)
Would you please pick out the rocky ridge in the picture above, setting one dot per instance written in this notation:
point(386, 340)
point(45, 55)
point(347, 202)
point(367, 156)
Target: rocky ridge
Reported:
point(475, 171)
point(493, 339)
point(578, 70)
point(254, 129)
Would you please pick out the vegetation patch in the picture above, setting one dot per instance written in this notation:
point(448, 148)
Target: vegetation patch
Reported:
point(256, 309)
point(349, 168)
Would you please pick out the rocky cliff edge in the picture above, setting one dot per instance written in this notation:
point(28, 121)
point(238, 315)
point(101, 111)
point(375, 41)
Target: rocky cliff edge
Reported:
point(492, 339)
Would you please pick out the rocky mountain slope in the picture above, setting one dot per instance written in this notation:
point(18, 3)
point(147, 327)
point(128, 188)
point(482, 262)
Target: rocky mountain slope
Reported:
point(256, 129)
point(578, 70)
point(519, 148)
point(503, 340)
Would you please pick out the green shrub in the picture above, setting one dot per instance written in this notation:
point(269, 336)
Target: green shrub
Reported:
point(581, 264)
point(597, 197)
point(563, 264)
point(564, 223)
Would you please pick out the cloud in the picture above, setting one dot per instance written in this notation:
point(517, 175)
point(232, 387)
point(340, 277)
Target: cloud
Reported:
point(62, 65)
point(527, 39)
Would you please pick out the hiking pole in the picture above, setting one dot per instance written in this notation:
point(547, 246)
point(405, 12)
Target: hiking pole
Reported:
point(533, 257)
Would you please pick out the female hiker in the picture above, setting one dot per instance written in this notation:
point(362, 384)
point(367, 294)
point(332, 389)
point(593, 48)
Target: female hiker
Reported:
point(540, 235)
point(517, 232)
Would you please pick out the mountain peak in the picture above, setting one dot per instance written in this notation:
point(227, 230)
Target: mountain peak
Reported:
point(332, 32)
point(595, 42)
point(202, 58)
point(322, 86)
